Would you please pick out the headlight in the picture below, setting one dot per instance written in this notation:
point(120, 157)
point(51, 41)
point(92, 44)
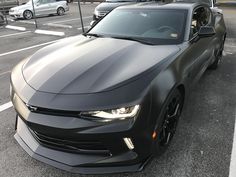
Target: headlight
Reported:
point(96, 12)
point(114, 114)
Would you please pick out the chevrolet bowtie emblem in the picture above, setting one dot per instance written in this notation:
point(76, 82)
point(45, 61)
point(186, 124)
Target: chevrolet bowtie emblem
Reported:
point(31, 108)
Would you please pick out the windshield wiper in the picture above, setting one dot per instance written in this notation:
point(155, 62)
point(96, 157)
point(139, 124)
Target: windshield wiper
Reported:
point(93, 34)
point(143, 41)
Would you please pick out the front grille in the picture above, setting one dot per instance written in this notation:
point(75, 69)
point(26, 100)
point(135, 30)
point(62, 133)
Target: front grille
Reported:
point(53, 112)
point(101, 14)
point(81, 147)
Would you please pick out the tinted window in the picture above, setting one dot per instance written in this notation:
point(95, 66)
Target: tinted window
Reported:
point(144, 23)
point(201, 17)
point(44, 1)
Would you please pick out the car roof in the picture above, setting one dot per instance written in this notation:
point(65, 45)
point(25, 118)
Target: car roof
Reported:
point(160, 5)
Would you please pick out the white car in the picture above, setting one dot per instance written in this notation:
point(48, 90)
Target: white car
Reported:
point(42, 7)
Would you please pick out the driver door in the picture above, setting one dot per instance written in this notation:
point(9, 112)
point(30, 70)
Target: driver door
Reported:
point(42, 7)
point(200, 51)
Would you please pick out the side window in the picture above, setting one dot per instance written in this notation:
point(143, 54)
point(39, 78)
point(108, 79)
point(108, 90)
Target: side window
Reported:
point(201, 17)
point(43, 1)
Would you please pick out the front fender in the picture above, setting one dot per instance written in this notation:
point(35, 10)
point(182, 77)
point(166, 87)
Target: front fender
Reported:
point(164, 84)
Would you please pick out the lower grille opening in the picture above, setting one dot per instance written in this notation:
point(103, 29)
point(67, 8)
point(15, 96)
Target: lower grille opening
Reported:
point(80, 147)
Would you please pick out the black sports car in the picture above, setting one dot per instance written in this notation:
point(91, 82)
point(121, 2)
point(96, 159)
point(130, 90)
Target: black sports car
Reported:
point(110, 99)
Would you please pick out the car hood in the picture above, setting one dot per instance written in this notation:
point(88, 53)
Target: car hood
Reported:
point(82, 65)
point(109, 6)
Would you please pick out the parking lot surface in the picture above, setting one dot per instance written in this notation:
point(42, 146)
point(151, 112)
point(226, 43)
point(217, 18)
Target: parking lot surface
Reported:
point(203, 143)
point(69, 23)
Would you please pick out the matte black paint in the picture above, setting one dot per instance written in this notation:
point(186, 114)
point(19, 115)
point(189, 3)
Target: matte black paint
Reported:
point(86, 73)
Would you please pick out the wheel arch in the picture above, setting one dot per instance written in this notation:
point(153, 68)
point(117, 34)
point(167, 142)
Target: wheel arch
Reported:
point(28, 10)
point(60, 6)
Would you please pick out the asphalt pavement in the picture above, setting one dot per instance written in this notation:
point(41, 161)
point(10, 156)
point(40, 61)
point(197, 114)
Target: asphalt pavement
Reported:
point(202, 145)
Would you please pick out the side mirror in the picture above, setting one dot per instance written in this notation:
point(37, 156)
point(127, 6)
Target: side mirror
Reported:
point(92, 23)
point(206, 31)
point(217, 10)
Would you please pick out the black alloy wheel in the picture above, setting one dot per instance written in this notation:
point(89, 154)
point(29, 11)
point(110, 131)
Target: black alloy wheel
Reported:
point(170, 116)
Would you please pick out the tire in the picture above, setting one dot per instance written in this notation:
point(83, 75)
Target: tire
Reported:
point(60, 11)
point(215, 64)
point(169, 118)
point(218, 56)
point(28, 15)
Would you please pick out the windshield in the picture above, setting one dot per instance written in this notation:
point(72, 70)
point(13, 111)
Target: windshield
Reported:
point(30, 2)
point(153, 25)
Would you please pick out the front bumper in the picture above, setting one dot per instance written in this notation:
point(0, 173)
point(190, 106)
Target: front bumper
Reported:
point(72, 162)
point(82, 146)
point(16, 14)
point(66, 142)
point(75, 144)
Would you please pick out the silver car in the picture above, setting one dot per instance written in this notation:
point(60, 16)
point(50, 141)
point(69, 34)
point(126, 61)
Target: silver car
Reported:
point(42, 7)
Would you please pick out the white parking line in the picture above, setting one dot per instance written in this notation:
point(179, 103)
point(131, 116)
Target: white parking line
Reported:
point(27, 22)
point(55, 33)
point(232, 169)
point(5, 106)
point(73, 19)
point(1, 74)
point(16, 28)
point(27, 48)
point(14, 34)
point(58, 25)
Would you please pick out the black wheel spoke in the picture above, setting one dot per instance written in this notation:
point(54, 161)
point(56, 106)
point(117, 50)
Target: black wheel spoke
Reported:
point(170, 120)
